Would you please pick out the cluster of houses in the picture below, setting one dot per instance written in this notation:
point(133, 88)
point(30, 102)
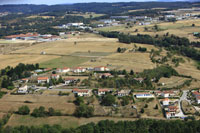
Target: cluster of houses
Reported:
point(170, 107)
point(81, 69)
point(74, 25)
point(33, 36)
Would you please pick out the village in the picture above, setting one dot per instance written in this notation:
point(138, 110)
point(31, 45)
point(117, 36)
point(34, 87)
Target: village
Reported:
point(70, 82)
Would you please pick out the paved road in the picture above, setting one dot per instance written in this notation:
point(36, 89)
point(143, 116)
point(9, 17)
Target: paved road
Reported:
point(183, 97)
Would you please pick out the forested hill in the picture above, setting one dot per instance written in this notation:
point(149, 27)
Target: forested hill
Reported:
point(107, 8)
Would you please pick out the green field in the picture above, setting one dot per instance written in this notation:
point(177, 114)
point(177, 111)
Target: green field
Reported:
point(64, 61)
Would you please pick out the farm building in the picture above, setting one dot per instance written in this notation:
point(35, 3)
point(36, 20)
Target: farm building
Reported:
point(23, 89)
point(144, 95)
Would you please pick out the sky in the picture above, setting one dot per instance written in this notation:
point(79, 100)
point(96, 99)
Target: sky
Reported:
point(51, 2)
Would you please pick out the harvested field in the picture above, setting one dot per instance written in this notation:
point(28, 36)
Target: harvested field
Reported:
point(13, 102)
point(64, 121)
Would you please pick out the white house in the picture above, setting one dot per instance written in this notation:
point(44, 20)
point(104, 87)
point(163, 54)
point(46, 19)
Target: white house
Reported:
point(82, 92)
point(55, 76)
point(43, 80)
point(63, 70)
point(102, 91)
point(144, 95)
point(79, 70)
point(69, 80)
point(123, 93)
point(167, 94)
point(165, 102)
point(101, 68)
point(23, 89)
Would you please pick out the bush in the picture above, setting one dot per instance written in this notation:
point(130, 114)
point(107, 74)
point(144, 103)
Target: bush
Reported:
point(23, 110)
point(84, 111)
point(142, 111)
point(39, 112)
point(108, 100)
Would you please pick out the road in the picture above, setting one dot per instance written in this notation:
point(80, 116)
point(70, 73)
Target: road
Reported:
point(183, 97)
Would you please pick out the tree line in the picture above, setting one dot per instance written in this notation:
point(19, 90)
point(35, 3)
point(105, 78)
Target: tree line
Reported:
point(107, 126)
point(180, 45)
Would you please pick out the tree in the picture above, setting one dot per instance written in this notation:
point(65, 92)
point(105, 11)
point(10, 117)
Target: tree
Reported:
point(84, 111)
point(39, 112)
point(142, 111)
point(125, 101)
point(131, 72)
point(79, 100)
point(193, 25)
point(156, 107)
point(108, 100)
point(119, 50)
point(23, 110)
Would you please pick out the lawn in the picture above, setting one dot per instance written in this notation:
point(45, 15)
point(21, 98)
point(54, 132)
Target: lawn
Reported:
point(64, 61)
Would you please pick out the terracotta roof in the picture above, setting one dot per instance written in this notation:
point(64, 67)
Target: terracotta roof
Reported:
point(196, 93)
point(80, 90)
point(172, 108)
point(25, 79)
point(43, 78)
point(23, 35)
point(166, 99)
point(103, 90)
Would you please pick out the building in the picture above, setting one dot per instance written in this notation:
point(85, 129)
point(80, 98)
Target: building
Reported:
point(122, 93)
point(23, 89)
point(69, 80)
point(197, 96)
point(101, 68)
point(43, 80)
point(82, 92)
point(139, 79)
point(144, 95)
point(25, 80)
point(79, 70)
point(102, 91)
point(167, 94)
point(165, 102)
point(63, 70)
point(105, 75)
point(55, 76)
point(28, 36)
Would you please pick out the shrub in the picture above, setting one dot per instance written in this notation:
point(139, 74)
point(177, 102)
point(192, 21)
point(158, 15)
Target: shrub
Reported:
point(23, 110)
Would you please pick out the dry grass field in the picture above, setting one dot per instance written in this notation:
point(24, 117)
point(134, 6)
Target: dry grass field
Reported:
point(88, 46)
point(64, 121)
point(181, 28)
point(13, 102)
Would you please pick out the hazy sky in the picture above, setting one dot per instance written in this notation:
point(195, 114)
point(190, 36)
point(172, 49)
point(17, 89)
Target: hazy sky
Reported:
point(50, 2)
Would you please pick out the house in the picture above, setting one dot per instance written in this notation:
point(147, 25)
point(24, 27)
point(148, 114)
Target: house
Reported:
point(168, 115)
point(102, 91)
point(144, 95)
point(23, 89)
point(167, 94)
point(28, 36)
point(55, 76)
point(43, 80)
point(165, 102)
point(172, 110)
point(139, 79)
point(63, 70)
point(197, 96)
point(101, 68)
point(25, 80)
point(82, 92)
point(69, 80)
point(105, 75)
point(79, 70)
point(122, 93)
point(38, 70)
point(47, 69)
